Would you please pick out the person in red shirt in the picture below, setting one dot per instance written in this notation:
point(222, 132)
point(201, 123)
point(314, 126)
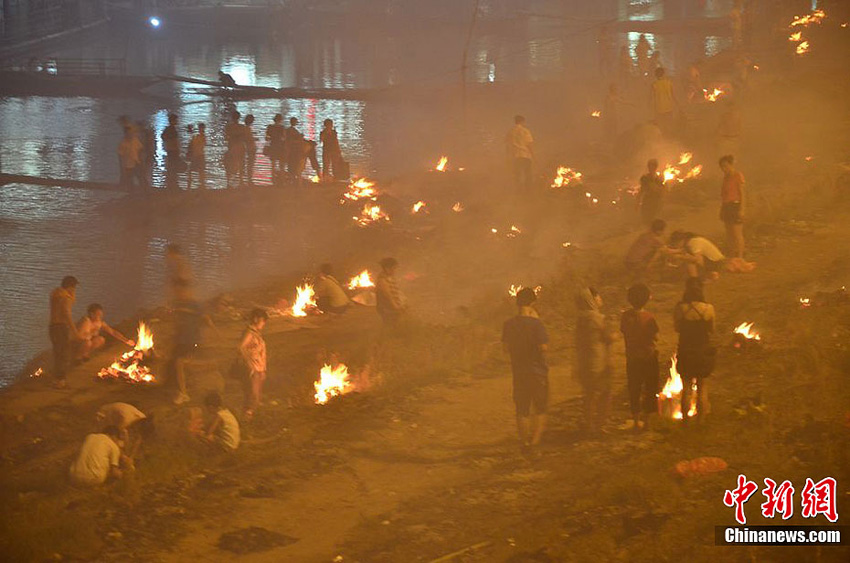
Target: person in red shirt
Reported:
point(640, 331)
point(732, 206)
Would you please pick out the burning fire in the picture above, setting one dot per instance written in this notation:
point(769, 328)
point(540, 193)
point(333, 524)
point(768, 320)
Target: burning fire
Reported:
point(805, 302)
point(441, 166)
point(361, 188)
point(130, 365)
point(361, 280)
point(566, 244)
point(514, 232)
point(371, 214)
point(333, 382)
point(565, 176)
point(514, 289)
point(672, 172)
point(417, 207)
point(746, 331)
point(713, 95)
point(672, 392)
point(457, 207)
point(305, 301)
point(685, 158)
point(796, 36)
point(815, 17)
point(37, 373)
point(315, 179)
point(803, 48)
point(596, 113)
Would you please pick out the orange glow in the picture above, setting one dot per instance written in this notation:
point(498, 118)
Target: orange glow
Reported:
point(441, 166)
point(746, 330)
point(305, 301)
point(803, 48)
point(371, 214)
point(714, 95)
point(457, 207)
point(596, 113)
point(796, 36)
point(514, 289)
point(333, 382)
point(565, 176)
point(361, 188)
point(362, 280)
point(417, 207)
point(815, 17)
point(672, 392)
point(129, 366)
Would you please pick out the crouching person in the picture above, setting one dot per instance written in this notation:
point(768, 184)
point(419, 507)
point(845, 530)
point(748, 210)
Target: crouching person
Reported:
point(99, 459)
point(223, 431)
point(133, 425)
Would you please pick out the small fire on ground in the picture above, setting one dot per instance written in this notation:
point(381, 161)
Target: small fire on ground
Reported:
point(714, 95)
point(371, 214)
point(361, 188)
point(457, 207)
point(333, 382)
point(674, 172)
point(565, 176)
point(362, 280)
point(441, 166)
point(596, 113)
point(418, 206)
point(131, 365)
point(305, 301)
point(744, 333)
point(515, 289)
point(670, 398)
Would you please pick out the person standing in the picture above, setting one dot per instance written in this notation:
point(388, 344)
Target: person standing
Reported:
point(390, 300)
point(173, 163)
point(146, 137)
point(593, 338)
point(651, 194)
point(732, 206)
point(130, 153)
point(62, 330)
point(234, 157)
point(524, 338)
point(275, 149)
point(693, 319)
point(640, 331)
point(295, 151)
point(520, 147)
point(331, 152)
point(252, 349)
point(198, 158)
point(642, 55)
point(250, 148)
point(663, 101)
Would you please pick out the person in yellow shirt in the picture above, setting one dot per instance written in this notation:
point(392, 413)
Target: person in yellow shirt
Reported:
point(520, 148)
point(664, 101)
point(63, 331)
point(130, 155)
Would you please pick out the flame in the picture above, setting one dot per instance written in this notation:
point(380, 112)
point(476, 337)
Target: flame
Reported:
point(672, 391)
point(596, 113)
point(815, 17)
point(566, 244)
point(441, 166)
point(457, 207)
point(713, 95)
point(515, 231)
point(333, 382)
point(565, 176)
point(796, 36)
point(315, 179)
point(746, 330)
point(361, 188)
point(808, 158)
point(805, 302)
point(685, 158)
point(130, 365)
point(37, 373)
point(305, 299)
point(417, 207)
point(514, 289)
point(671, 173)
point(361, 280)
point(371, 214)
point(755, 67)
point(693, 172)
point(803, 48)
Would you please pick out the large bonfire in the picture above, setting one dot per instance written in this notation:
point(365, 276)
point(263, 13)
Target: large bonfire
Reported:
point(131, 365)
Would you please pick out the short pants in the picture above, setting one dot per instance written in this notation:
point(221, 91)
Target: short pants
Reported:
point(730, 213)
point(531, 391)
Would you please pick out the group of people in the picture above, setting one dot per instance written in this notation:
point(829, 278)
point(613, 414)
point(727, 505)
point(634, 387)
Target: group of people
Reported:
point(525, 340)
point(286, 148)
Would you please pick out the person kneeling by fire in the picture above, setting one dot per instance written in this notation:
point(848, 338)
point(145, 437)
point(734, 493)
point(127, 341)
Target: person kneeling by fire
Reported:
point(133, 426)
point(91, 329)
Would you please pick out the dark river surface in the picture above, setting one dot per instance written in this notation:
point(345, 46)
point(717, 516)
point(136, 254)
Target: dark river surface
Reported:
point(46, 233)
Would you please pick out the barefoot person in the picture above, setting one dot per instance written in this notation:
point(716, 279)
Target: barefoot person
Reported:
point(62, 329)
point(651, 194)
point(133, 425)
point(732, 208)
point(223, 431)
point(330, 296)
point(693, 319)
point(91, 329)
point(390, 300)
point(593, 338)
point(524, 338)
point(520, 147)
point(644, 252)
point(252, 348)
point(640, 331)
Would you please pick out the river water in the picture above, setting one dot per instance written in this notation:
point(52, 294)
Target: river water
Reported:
point(46, 233)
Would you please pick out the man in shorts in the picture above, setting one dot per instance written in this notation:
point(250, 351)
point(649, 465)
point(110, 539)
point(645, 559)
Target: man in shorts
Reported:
point(732, 206)
point(524, 338)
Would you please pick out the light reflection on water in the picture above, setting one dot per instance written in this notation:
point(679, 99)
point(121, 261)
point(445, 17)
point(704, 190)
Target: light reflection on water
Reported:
point(48, 233)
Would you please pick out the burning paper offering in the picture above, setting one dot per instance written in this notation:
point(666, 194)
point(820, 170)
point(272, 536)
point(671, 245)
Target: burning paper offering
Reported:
point(333, 382)
point(371, 214)
point(305, 301)
point(744, 334)
point(441, 166)
point(360, 281)
point(670, 398)
point(565, 176)
point(361, 188)
point(131, 365)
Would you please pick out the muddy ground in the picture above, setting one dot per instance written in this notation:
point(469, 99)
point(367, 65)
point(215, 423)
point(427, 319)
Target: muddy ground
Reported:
point(423, 463)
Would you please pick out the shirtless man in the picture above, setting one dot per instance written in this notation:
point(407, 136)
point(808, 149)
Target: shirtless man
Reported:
point(62, 329)
point(91, 328)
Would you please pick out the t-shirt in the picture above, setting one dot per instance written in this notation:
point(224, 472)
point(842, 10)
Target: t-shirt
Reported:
point(97, 456)
point(699, 246)
point(253, 349)
point(61, 302)
point(227, 434)
point(651, 188)
point(662, 95)
point(642, 250)
point(732, 189)
point(524, 336)
point(327, 287)
point(121, 415)
point(519, 142)
point(639, 330)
